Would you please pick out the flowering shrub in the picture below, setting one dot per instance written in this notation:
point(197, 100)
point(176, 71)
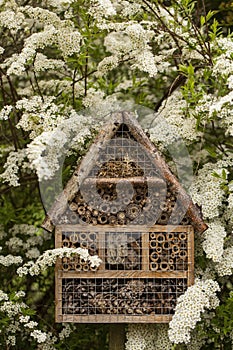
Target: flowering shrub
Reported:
point(64, 66)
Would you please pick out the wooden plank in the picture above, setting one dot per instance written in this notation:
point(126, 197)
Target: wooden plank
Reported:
point(124, 228)
point(190, 256)
point(145, 252)
point(116, 318)
point(115, 180)
point(123, 274)
point(116, 337)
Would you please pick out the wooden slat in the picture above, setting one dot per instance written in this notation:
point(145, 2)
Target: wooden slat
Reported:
point(124, 228)
point(117, 318)
point(123, 274)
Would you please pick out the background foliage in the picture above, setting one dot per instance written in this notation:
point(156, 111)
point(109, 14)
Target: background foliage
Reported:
point(62, 62)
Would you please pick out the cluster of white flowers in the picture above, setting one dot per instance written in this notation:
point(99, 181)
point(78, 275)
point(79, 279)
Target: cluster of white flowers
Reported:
point(206, 189)
point(12, 308)
point(9, 260)
point(47, 151)
point(38, 114)
point(5, 112)
point(49, 257)
point(3, 296)
point(39, 336)
point(66, 331)
point(190, 305)
point(144, 337)
point(14, 162)
point(214, 240)
point(12, 20)
point(25, 239)
point(225, 265)
point(178, 124)
point(101, 9)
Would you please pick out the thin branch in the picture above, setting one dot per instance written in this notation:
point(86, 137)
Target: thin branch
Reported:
point(73, 87)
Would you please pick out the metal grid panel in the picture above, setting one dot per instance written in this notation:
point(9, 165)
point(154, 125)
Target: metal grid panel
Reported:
point(143, 272)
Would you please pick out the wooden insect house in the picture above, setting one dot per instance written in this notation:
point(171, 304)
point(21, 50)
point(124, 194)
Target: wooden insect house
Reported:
point(124, 205)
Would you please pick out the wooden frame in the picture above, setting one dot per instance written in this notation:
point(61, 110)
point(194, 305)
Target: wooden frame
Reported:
point(144, 274)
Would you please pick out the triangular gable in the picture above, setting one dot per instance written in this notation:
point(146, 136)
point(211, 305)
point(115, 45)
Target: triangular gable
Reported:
point(123, 123)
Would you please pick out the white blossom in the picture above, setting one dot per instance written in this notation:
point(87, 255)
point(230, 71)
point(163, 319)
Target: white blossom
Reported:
point(214, 240)
point(5, 112)
point(49, 257)
point(39, 336)
point(190, 306)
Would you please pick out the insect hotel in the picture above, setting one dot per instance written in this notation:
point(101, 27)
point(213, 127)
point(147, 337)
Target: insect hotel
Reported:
point(124, 205)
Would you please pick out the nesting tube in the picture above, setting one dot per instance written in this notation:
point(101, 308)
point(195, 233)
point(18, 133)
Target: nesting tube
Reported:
point(81, 209)
point(166, 245)
point(66, 267)
point(121, 215)
point(154, 266)
point(74, 237)
point(175, 249)
point(103, 219)
point(66, 242)
point(183, 254)
point(152, 235)
point(164, 266)
point(112, 219)
point(163, 218)
point(159, 250)
point(154, 256)
point(78, 267)
point(161, 238)
point(83, 236)
point(93, 268)
point(170, 236)
point(85, 267)
point(153, 244)
point(91, 237)
point(73, 206)
point(84, 245)
point(182, 236)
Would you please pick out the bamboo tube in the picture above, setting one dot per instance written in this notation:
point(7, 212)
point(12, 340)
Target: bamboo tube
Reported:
point(73, 206)
point(81, 209)
point(114, 209)
point(85, 267)
point(183, 254)
point(182, 236)
point(154, 256)
point(84, 244)
point(74, 237)
point(66, 267)
point(83, 236)
point(153, 244)
point(66, 242)
point(161, 237)
point(159, 250)
point(112, 220)
point(164, 266)
point(102, 219)
point(78, 267)
point(154, 266)
point(170, 236)
point(85, 219)
point(152, 235)
point(166, 245)
point(93, 268)
point(163, 218)
point(91, 236)
point(175, 249)
point(121, 215)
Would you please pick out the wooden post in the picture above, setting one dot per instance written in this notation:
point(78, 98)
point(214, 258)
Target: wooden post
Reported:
point(116, 336)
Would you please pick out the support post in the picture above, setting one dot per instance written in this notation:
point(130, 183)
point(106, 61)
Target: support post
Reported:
point(116, 336)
